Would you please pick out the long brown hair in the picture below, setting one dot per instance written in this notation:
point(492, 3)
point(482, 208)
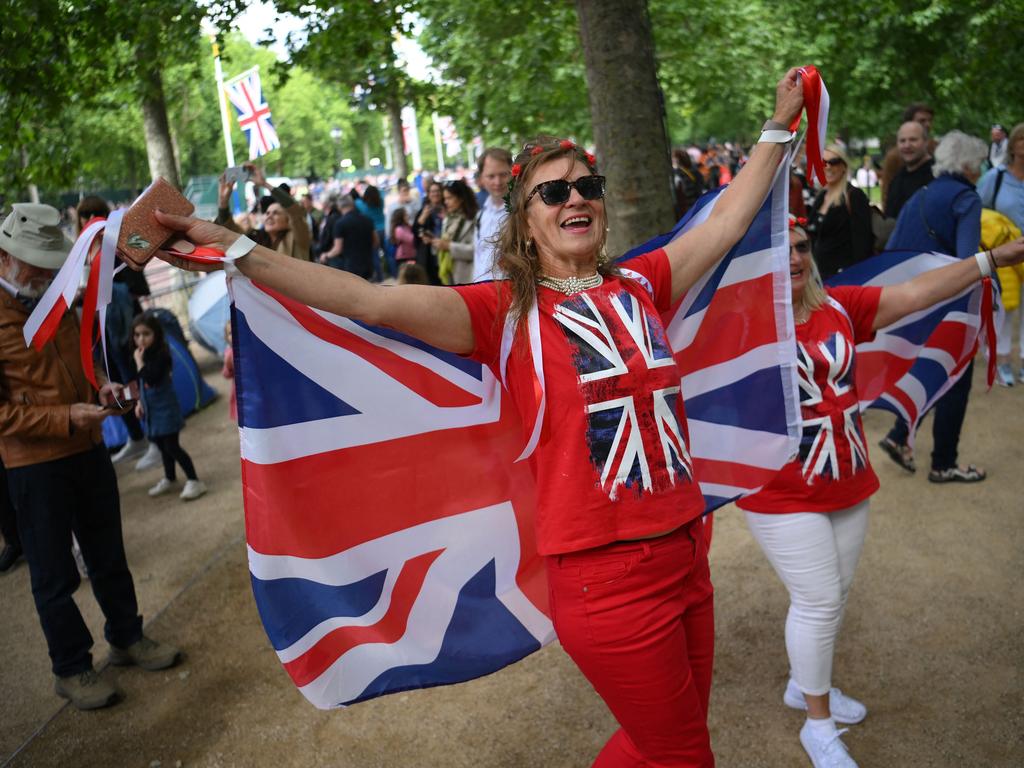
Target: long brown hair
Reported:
point(516, 253)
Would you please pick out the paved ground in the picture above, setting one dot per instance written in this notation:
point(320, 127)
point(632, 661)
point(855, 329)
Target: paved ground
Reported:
point(932, 643)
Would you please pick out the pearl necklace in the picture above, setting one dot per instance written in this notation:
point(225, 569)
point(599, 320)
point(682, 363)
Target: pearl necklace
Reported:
point(571, 285)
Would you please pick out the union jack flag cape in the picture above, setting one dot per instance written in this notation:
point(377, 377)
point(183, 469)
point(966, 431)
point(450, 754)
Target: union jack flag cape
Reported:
point(389, 525)
point(913, 362)
point(246, 94)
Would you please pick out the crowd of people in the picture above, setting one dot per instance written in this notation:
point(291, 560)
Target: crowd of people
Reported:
point(630, 592)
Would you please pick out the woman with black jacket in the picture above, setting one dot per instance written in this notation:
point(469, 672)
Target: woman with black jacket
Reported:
point(840, 218)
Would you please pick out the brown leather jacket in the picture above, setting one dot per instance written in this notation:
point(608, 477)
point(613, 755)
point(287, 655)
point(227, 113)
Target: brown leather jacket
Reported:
point(37, 390)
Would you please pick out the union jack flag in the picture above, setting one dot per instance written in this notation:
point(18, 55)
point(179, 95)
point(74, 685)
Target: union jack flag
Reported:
point(246, 94)
point(389, 525)
point(832, 443)
point(913, 362)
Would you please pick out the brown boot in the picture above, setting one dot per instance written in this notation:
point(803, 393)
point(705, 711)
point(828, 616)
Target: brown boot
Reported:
point(86, 690)
point(146, 653)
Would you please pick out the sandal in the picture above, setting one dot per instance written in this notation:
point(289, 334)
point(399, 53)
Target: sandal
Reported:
point(968, 474)
point(901, 454)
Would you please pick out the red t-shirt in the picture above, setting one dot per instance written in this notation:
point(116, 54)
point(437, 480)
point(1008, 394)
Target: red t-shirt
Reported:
point(613, 460)
point(832, 470)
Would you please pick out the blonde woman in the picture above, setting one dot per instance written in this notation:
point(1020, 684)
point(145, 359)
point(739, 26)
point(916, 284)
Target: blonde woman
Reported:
point(811, 519)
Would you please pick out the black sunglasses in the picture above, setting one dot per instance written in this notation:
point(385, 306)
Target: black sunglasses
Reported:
point(801, 247)
point(834, 162)
point(557, 191)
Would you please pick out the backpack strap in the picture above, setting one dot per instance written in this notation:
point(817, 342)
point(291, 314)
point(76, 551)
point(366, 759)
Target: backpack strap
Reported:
point(995, 191)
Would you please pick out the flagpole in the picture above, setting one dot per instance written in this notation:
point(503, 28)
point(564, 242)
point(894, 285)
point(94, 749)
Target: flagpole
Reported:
point(225, 122)
point(437, 142)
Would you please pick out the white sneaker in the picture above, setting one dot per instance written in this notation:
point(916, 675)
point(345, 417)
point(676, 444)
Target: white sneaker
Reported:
point(129, 450)
point(1004, 374)
point(193, 490)
point(150, 459)
point(162, 487)
point(844, 709)
point(825, 746)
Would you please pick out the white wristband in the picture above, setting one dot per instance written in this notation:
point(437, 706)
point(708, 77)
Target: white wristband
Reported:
point(983, 263)
point(775, 137)
point(241, 247)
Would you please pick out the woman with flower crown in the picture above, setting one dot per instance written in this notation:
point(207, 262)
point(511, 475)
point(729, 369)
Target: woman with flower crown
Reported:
point(618, 519)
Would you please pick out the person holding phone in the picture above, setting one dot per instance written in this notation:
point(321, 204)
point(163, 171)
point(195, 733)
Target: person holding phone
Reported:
point(426, 227)
point(284, 222)
point(59, 474)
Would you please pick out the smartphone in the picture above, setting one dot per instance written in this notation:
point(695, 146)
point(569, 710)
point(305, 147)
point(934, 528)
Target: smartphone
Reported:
point(123, 407)
point(141, 234)
point(237, 174)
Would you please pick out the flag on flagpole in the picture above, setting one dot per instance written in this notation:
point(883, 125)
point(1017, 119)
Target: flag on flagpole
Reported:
point(246, 95)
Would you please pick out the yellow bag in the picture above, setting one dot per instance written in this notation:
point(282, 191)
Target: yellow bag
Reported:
point(997, 229)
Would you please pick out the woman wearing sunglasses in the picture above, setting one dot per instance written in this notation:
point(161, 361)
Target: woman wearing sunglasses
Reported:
point(618, 509)
point(840, 218)
point(811, 519)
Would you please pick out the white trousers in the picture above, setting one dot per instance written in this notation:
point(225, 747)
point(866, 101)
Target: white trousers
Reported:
point(1004, 333)
point(815, 555)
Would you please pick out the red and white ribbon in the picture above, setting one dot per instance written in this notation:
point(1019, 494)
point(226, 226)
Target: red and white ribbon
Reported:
point(816, 103)
point(42, 324)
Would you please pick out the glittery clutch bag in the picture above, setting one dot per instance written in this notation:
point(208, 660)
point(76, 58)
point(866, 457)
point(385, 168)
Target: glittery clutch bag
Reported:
point(141, 234)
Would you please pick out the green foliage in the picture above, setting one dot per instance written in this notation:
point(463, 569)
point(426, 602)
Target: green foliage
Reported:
point(511, 70)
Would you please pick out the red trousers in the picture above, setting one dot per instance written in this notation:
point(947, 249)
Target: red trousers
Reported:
point(638, 620)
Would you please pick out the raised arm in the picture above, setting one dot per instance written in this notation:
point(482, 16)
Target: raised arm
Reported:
point(925, 290)
point(436, 315)
point(695, 252)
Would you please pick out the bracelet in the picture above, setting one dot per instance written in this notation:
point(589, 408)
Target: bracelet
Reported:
point(774, 125)
point(984, 265)
point(241, 247)
point(775, 137)
point(992, 259)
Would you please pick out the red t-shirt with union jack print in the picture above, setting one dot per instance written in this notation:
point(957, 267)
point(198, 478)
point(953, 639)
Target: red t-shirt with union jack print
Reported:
point(832, 470)
point(613, 460)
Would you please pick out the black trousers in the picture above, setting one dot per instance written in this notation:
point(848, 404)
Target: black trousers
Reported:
point(53, 499)
point(8, 521)
point(950, 411)
point(170, 452)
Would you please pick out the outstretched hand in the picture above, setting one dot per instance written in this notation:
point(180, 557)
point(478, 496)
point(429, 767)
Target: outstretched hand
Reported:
point(194, 232)
point(789, 97)
point(1008, 254)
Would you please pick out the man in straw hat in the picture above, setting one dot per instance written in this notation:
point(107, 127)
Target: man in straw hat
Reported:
point(60, 475)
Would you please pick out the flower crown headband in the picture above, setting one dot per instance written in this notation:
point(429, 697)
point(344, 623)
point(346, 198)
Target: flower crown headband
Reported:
point(532, 150)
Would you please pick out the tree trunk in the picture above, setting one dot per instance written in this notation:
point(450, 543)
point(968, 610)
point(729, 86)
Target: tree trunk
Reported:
point(397, 144)
point(159, 146)
point(33, 190)
point(627, 114)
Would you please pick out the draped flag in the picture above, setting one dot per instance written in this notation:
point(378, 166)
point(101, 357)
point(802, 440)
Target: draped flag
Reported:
point(389, 523)
point(246, 95)
point(910, 364)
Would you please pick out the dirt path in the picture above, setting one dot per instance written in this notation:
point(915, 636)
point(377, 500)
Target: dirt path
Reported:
point(932, 643)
